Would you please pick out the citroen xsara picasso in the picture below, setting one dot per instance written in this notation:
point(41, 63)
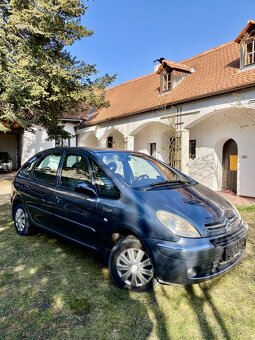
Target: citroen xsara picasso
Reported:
point(150, 221)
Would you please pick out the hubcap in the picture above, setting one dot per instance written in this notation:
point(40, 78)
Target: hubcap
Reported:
point(134, 267)
point(20, 219)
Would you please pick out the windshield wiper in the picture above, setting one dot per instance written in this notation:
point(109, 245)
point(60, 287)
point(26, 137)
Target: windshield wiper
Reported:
point(168, 183)
point(165, 183)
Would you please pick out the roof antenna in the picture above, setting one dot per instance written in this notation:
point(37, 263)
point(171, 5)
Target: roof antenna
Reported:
point(160, 60)
point(157, 63)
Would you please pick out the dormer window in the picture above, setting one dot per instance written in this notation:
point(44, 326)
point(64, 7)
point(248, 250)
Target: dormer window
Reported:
point(171, 74)
point(165, 81)
point(249, 49)
point(246, 39)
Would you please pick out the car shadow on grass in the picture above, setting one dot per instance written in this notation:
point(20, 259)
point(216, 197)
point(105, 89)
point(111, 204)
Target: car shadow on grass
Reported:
point(51, 288)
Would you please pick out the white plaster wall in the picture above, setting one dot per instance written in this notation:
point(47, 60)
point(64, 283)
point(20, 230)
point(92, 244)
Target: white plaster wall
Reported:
point(70, 127)
point(37, 141)
point(118, 142)
point(246, 152)
point(153, 133)
point(87, 139)
point(210, 135)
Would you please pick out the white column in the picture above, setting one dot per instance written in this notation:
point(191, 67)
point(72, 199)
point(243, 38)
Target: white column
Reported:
point(102, 143)
point(129, 143)
point(185, 151)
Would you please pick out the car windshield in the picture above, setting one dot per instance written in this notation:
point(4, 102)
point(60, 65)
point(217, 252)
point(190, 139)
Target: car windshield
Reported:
point(4, 156)
point(139, 171)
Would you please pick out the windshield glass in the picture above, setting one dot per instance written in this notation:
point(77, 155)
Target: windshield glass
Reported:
point(139, 170)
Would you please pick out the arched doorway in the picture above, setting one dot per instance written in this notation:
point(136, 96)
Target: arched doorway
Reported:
point(229, 162)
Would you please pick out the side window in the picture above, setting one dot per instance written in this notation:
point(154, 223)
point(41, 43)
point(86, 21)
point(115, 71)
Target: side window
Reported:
point(75, 170)
point(46, 169)
point(105, 186)
point(27, 168)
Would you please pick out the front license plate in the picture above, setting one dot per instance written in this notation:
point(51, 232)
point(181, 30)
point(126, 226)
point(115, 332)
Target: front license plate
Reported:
point(233, 250)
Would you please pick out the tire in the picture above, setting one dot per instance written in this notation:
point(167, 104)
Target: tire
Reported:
point(21, 221)
point(130, 265)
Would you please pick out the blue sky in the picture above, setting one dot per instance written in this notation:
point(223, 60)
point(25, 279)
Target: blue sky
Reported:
point(130, 34)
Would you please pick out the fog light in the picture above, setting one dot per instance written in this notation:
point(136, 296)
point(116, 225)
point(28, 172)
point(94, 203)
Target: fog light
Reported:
point(192, 271)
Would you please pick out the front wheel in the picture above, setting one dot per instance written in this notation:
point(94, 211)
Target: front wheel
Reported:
point(131, 266)
point(21, 222)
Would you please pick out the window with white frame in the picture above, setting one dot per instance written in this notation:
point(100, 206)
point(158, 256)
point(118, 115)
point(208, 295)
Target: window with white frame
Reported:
point(250, 52)
point(165, 81)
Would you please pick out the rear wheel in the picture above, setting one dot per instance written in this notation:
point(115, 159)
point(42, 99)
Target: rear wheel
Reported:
point(21, 221)
point(131, 266)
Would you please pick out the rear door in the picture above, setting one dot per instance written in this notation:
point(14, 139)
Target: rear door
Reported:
point(40, 190)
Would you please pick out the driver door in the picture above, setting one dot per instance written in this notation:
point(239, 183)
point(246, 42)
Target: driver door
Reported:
point(75, 212)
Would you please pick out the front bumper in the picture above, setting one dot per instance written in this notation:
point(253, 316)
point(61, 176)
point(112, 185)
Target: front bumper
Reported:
point(191, 261)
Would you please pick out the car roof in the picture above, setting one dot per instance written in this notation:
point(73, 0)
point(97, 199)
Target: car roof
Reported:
point(88, 149)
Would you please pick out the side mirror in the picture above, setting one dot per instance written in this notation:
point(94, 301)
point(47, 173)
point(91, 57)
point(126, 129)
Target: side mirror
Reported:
point(85, 188)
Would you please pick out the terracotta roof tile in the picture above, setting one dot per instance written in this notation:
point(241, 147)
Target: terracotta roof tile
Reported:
point(250, 23)
point(216, 71)
point(174, 66)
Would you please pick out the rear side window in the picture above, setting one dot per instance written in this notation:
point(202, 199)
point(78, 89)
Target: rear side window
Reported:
point(27, 168)
point(46, 169)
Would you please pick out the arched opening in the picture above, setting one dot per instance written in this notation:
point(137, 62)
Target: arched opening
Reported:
point(115, 139)
point(153, 138)
point(88, 139)
point(230, 164)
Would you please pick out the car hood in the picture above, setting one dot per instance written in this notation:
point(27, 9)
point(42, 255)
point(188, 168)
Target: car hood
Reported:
point(196, 203)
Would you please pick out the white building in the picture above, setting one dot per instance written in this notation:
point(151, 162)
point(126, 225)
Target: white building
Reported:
point(197, 115)
point(21, 145)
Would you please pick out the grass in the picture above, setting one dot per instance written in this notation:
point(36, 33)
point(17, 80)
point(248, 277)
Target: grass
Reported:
point(53, 290)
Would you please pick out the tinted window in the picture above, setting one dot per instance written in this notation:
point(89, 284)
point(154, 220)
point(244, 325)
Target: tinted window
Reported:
point(46, 169)
point(75, 170)
point(27, 168)
point(105, 186)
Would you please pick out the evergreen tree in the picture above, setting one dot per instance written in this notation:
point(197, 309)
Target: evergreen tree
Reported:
point(40, 81)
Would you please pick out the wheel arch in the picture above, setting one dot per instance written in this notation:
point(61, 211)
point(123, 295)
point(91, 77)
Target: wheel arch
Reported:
point(15, 201)
point(119, 234)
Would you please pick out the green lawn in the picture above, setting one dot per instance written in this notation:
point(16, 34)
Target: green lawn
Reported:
point(53, 290)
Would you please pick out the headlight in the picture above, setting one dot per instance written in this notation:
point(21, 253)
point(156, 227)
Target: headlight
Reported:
point(177, 225)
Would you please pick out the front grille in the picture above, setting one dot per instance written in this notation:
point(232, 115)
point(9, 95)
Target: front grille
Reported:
point(229, 221)
point(230, 238)
point(218, 226)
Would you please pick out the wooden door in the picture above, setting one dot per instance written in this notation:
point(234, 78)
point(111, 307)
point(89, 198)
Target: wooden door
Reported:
point(229, 162)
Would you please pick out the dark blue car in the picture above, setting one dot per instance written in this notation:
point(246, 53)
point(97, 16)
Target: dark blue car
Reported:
point(150, 221)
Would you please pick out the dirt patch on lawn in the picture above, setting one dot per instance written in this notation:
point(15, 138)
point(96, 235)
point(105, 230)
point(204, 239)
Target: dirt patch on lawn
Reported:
point(5, 186)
